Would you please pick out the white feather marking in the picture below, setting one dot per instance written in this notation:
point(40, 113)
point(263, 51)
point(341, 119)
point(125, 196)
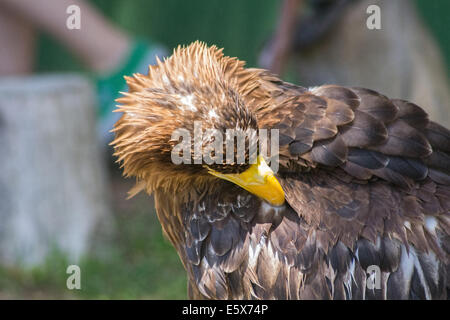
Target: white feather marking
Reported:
point(187, 102)
point(165, 79)
point(271, 251)
point(349, 276)
point(407, 225)
point(431, 224)
point(253, 253)
point(313, 89)
point(212, 114)
point(408, 263)
point(419, 270)
point(201, 207)
point(352, 270)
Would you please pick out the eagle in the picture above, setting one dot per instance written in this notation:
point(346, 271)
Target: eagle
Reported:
point(357, 206)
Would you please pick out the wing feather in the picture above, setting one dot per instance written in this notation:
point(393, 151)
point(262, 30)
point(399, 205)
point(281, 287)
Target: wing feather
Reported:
point(379, 170)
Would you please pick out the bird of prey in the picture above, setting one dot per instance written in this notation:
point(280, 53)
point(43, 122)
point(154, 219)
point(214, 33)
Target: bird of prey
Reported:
point(358, 208)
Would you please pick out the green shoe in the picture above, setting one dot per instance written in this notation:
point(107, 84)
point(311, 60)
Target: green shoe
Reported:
point(141, 55)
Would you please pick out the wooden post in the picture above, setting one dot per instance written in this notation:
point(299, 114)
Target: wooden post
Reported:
point(52, 178)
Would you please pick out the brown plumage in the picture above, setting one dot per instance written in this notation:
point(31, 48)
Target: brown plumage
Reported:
point(366, 181)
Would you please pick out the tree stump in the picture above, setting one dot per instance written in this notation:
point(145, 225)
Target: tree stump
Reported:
point(52, 177)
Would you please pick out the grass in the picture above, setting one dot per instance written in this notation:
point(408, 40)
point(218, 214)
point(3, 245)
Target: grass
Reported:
point(134, 261)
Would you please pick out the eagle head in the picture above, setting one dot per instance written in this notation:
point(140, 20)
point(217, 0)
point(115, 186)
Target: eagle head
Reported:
point(187, 123)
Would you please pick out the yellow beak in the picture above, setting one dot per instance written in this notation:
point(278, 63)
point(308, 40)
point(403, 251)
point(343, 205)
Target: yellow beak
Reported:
point(259, 179)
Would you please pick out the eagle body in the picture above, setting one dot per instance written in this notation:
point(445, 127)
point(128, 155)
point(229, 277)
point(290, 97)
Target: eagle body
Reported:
point(366, 183)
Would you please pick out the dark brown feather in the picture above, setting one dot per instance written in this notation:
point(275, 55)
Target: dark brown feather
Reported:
point(366, 182)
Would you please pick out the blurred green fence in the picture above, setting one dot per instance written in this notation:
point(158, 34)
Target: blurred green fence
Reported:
point(238, 26)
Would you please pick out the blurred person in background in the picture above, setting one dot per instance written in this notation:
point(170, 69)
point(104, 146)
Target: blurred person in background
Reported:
point(106, 51)
point(328, 41)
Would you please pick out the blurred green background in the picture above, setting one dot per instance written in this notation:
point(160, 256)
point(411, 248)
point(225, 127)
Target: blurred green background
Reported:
point(238, 26)
point(136, 261)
